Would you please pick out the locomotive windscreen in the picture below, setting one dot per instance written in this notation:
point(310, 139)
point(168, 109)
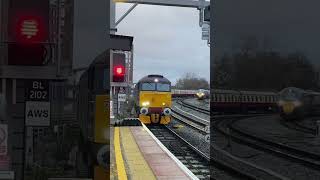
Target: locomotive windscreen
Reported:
point(163, 87)
point(291, 94)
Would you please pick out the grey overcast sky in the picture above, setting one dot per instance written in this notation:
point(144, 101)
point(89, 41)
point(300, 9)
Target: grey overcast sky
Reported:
point(167, 41)
point(287, 25)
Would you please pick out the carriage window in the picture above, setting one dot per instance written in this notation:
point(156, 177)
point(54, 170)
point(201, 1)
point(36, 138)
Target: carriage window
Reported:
point(163, 87)
point(148, 86)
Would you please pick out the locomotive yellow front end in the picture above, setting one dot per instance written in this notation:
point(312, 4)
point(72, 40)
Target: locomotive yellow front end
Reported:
point(155, 107)
point(154, 100)
point(291, 104)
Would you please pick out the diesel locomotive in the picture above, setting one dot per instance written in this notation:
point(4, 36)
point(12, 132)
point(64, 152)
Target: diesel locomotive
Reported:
point(295, 103)
point(202, 94)
point(153, 99)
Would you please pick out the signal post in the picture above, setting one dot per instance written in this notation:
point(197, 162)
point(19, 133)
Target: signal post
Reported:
point(29, 60)
point(121, 79)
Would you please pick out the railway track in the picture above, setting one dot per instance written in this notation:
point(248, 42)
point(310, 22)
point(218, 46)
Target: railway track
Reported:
point(190, 156)
point(199, 109)
point(193, 158)
point(298, 127)
point(200, 125)
point(308, 159)
point(229, 167)
point(191, 120)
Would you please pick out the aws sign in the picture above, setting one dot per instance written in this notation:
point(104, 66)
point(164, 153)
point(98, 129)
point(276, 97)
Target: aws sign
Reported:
point(37, 109)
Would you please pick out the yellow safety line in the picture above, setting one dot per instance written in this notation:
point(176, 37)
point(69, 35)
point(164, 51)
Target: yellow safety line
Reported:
point(122, 175)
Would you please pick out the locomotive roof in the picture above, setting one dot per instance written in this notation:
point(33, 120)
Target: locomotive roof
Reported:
point(151, 78)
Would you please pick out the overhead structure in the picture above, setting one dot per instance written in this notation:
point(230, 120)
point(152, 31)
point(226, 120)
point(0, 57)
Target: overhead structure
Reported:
point(202, 5)
point(179, 3)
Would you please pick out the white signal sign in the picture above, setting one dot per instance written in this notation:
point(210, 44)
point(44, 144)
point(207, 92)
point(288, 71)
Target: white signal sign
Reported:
point(37, 113)
point(122, 97)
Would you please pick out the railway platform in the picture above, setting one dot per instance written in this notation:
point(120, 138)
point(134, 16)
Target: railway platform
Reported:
point(137, 154)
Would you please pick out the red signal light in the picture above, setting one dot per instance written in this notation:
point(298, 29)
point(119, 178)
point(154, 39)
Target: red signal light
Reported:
point(118, 73)
point(119, 67)
point(119, 70)
point(30, 29)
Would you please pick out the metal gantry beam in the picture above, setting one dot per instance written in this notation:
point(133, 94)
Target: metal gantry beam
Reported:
point(127, 13)
point(177, 3)
point(199, 4)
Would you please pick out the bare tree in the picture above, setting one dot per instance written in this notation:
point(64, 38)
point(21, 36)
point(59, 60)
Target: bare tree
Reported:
point(192, 81)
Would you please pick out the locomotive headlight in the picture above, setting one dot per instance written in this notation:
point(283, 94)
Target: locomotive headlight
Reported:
point(147, 103)
point(144, 110)
point(163, 104)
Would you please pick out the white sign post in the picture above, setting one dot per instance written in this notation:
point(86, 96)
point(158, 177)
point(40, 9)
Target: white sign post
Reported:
point(121, 98)
point(111, 109)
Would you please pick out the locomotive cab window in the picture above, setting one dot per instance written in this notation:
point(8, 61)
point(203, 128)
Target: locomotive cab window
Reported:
point(148, 86)
point(163, 87)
